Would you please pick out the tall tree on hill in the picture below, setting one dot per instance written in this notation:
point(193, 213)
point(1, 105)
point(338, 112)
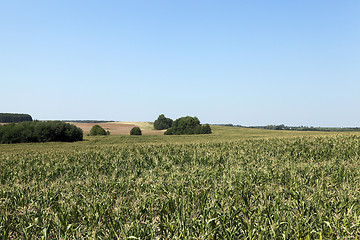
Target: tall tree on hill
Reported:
point(163, 122)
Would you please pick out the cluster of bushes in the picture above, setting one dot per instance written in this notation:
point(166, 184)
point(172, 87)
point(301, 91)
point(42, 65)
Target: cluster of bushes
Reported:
point(98, 130)
point(183, 125)
point(14, 117)
point(40, 132)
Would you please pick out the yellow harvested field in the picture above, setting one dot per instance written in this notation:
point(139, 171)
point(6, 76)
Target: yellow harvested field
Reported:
point(120, 128)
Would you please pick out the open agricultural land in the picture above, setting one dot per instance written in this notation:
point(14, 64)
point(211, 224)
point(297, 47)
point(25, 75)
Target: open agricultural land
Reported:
point(120, 128)
point(235, 183)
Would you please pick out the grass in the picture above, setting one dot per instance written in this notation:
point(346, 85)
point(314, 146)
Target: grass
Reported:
point(234, 184)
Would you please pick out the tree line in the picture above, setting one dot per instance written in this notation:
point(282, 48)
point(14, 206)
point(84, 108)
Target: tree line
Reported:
point(14, 117)
point(36, 131)
point(88, 121)
point(306, 128)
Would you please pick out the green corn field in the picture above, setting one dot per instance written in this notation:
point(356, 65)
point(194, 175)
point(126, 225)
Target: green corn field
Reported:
point(269, 185)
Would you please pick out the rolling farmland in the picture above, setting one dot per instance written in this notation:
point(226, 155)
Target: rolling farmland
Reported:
point(233, 184)
point(119, 128)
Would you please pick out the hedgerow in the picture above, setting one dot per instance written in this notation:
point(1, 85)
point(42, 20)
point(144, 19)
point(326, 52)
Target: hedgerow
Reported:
point(40, 132)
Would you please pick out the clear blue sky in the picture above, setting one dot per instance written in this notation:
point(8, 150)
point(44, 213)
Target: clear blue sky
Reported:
point(243, 62)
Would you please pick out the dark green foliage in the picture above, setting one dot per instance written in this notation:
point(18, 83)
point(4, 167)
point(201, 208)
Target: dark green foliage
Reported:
point(170, 131)
point(40, 132)
point(188, 125)
point(135, 131)
point(163, 123)
point(184, 125)
point(97, 130)
point(203, 129)
point(206, 129)
point(14, 117)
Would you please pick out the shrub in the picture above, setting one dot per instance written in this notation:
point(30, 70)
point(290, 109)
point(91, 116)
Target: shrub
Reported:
point(135, 131)
point(14, 117)
point(40, 132)
point(170, 131)
point(188, 125)
point(162, 122)
point(203, 129)
point(97, 130)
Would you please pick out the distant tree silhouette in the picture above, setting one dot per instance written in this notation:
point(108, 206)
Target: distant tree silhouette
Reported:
point(14, 117)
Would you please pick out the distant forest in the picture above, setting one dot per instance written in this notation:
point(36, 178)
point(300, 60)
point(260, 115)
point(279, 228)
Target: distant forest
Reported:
point(305, 128)
point(14, 117)
point(87, 121)
point(300, 128)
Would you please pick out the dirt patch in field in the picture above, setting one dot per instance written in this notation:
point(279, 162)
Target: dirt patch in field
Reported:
point(118, 128)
